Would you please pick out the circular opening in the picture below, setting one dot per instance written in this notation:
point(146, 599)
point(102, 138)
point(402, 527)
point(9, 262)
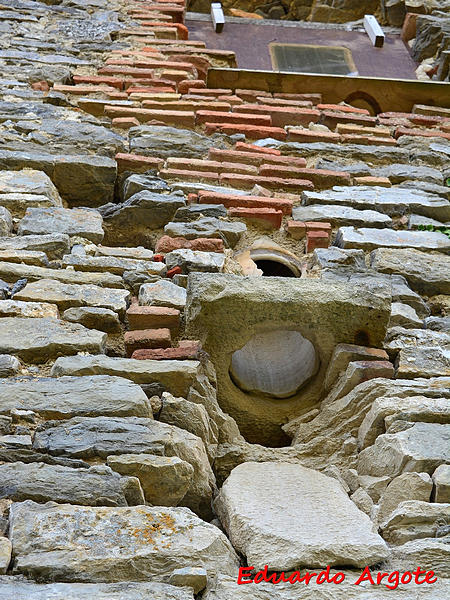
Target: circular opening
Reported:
point(275, 363)
point(273, 268)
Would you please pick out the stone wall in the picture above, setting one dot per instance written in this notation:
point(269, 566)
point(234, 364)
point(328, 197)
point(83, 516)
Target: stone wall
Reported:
point(152, 230)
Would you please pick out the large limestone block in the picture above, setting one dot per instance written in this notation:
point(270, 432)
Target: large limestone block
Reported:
point(421, 448)
point(225, 312)
point(97, 486)
point(17, 588)
point(430, 553)
point(87, 437)
point(67, 295)
point(112, 264)
point(426, 273)
point(28, 181)
point(286, 516)
point(441, 480)
point(85, 544)
point(6, 222)
point(162, 293)
point(340, 215)
point(176, 376)
point(408, 486)
point(423, 362)
point(164, 479)
point(37, 340)
point(84, 222)
point(208, 227)
point(415, 519)
point(365, 238)
point(17, 308)
point(66, 397)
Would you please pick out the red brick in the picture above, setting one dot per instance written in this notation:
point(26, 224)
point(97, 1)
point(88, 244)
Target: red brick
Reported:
point(421, 133)
point(169, 117)
point(134, 71)
point(167, 244)
point(208, 116)
point(158, 85)
point(193, 164)
point(315, 98)
point(187, 84)
point(212, 92)
point(146, 338)
point(409, 27)
point(184, 175)
point(99, 80)
point(137, 163)
point(256, 158)
point(253, 132)
point(321, 178)
point(81, 90)
point(368, 180)
point(282, 115)
point(297, 229)
point(368, 140)
point(153, 317)
point(41, 86)
point(267, 216)
point(158, 258)
point(280, 102)
point(192, 198)
point(237, 168)
point(316, 239)
point(318, 226)
point(186, 350)
point(233, 99)
point(235, 200)
point(246, 182)
point(308, 136)
point(174, 271)
point(343, 108)
point(190, 105)
point(125, 122)
point(243, 147)
point(331, 119)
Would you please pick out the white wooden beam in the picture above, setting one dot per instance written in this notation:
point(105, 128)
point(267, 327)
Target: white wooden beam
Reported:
point(217, 16)
point(374, 31)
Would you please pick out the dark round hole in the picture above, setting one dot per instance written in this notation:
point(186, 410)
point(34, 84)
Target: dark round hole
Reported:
point(272, 268)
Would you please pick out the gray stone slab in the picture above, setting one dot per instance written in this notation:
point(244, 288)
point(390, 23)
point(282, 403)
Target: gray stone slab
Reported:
point(53, 244)
point(195, 260)
point(86, 223)
point(176, 376)
point(69, 396)
point(13, 271)
point(6, 222)
point(390, 201)
point(369, 238)
point(37, 340)
point(66, 295)
point(93, 317)
point(112, 264)
point(426, 273)
point(162, 293)
point(341, 215)
point(208, 227)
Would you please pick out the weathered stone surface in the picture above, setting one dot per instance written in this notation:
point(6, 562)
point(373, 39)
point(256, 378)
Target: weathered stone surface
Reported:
point(162, 293)
point(65, 397)
point(9, 365)
point(6, 223)
point(404, 316)
point(343, 354)
point(102, 319)
point(139, 182)
point(330, 530)
point(421, 448)
point(324, 314)
point(385, 410)
point(97, 486)
point(192, 212)
point(17, 308)
point(426, 273)
point(195, 578)
point(207, 227)
point(174, 375)
point(413, 486)
point(332, 258)
point(27, 188)
point(84, 222)
point(441, 481)
point(415, 519)
point(5, 554)
point(187, 415)
point(53, 244)
point(112, 264)
point(80, 179)
point(195, 260)
point(438, 324)
point(17, 588)
point(37, 340)
point(423, 362)
point(169, 142)
point(139, 213)
point(25, 256)
point(341, 215)
point(390, 201)
point(138, 253)
point(399, 338)
point(12, 272)
point(225, 588)
point(66, 295)
point(357, 372)
point(398, 173)
point(74, 543)
point(370, 238)
point(164, 479)
point(102, 436)
point(431, 553)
